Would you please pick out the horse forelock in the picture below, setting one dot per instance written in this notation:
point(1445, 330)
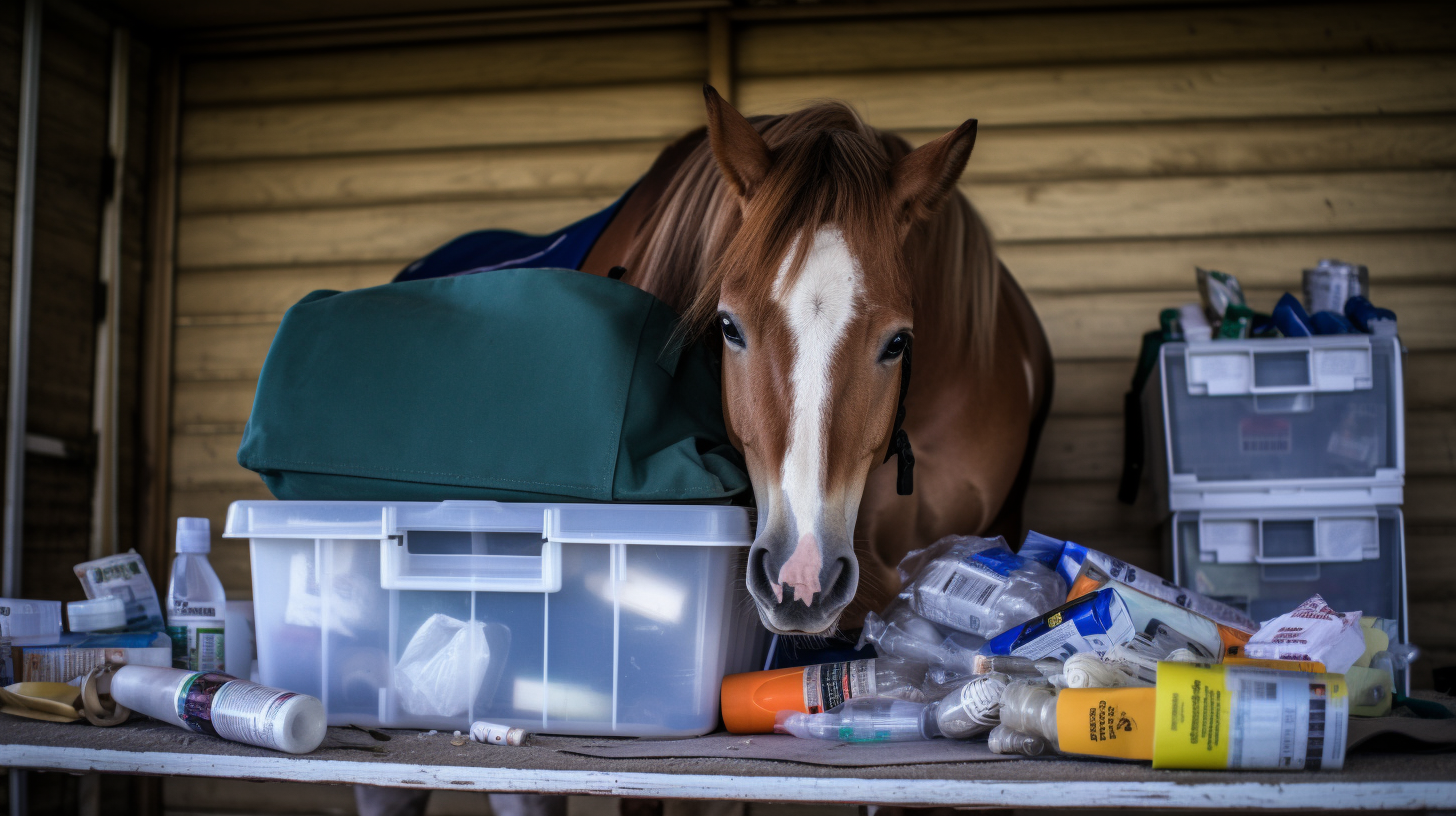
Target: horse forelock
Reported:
point(829, 169)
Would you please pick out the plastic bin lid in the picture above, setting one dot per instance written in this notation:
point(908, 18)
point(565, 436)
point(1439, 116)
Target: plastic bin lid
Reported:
point(693, 525)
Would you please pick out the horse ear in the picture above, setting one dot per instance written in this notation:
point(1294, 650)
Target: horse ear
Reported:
point(923, 177)
point(742, 155)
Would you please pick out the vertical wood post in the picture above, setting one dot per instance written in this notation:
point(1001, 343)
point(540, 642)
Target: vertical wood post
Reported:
point(156, 392)
point(106, 391)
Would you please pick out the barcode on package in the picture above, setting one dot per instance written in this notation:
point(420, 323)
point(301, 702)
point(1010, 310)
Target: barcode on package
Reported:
point(976, 589)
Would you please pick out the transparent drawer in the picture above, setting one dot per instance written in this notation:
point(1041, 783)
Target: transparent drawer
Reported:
point(1266, 562)
point(1280, 422)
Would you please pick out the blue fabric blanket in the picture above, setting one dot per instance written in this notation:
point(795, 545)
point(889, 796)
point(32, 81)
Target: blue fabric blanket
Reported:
point(489, 250)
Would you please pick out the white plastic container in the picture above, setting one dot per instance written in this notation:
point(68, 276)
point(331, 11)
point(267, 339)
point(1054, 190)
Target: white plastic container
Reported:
point(25, 622)
point(99, 615)
point(196, 604)
point(1267, 562)
point(568, 619)
point(1290, 422)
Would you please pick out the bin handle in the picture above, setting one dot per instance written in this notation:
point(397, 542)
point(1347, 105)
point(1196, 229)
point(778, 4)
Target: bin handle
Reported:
point(400, 569)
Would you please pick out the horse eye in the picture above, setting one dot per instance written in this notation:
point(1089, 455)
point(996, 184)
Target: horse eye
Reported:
point(730, 330)
point(895, 347)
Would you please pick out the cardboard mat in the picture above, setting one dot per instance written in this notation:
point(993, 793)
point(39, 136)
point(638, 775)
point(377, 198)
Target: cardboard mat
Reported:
point(792, 749)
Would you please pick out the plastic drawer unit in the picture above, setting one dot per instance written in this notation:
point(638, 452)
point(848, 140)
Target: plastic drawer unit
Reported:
point(568, 619)
point(1265, 562)
point(1292, 422)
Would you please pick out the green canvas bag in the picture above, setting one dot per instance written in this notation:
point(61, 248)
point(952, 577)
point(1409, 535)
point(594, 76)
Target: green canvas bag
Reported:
point(512, 385)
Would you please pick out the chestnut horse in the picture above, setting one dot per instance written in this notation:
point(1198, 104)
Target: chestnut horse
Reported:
point(818, 247)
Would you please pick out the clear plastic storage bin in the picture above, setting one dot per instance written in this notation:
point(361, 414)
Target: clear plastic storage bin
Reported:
point(567, 619)
point(1266, 562)
point(1291, 422)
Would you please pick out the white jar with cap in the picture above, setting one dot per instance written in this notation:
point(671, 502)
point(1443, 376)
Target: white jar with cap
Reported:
point(106, 614)
point(196, 604)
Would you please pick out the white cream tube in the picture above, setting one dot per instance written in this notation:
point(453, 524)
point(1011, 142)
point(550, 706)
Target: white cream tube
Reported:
point(223, 706)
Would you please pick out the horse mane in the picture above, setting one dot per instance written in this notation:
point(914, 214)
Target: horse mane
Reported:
point(830, 168)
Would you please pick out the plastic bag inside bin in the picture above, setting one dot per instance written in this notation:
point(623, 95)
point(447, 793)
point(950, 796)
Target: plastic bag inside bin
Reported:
point(443, 668)
point(977, 585)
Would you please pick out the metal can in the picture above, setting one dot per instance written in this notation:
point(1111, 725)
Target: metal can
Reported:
point(1332, 282)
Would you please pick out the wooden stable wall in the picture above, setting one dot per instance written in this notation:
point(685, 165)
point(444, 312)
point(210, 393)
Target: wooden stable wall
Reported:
point(72, 181)
point(1117, 150)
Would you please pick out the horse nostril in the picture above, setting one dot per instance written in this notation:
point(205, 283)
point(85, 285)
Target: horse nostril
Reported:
point(841, 580)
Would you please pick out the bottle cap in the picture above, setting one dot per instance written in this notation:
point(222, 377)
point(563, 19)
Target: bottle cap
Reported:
point(96, 614)
point(194, 535)
point(751, 700)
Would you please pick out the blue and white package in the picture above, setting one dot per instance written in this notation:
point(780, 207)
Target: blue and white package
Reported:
point(1071, 561)
point(977, 585)
point(1106, 618)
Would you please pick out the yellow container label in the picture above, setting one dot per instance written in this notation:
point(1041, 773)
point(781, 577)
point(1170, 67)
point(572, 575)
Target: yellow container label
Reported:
point(1217, 717)
point(1110, 722)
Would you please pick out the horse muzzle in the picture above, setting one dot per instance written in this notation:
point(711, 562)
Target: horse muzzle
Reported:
point(797, 590)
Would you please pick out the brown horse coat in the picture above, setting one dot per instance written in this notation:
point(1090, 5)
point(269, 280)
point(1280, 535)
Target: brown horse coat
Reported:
point(737, 226)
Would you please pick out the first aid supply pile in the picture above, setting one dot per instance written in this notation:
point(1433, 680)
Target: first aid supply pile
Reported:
point(1061, 649)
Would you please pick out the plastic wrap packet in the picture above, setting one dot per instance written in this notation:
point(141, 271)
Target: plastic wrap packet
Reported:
point(901, 633)
point(1311, 631)
point(1103, 619)
point(977, 585)
point(1218, 291)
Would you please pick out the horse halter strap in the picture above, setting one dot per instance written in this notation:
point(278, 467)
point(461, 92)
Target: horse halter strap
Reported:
point(899, 440)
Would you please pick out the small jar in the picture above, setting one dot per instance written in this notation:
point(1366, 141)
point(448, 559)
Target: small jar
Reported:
point(100, 615)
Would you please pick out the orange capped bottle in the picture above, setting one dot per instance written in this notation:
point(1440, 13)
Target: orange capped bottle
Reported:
point(752, 699)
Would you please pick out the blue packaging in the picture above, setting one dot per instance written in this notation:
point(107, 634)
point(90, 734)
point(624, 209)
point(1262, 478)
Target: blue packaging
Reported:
point(1370, 318)
point(1092, 623)
point(1072, 561)
point(1290, 317)
point(1331, 323)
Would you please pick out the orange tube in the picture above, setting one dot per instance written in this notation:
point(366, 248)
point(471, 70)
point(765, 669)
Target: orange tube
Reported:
point(750, 700)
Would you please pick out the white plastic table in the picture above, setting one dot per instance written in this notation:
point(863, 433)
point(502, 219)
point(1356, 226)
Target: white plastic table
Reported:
point(1368, 781)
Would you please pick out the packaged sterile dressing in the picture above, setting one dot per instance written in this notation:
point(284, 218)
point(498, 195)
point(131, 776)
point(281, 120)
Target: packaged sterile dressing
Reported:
point(196, 605)
point(1084, 569)
point(124, 576)
point(977, 585)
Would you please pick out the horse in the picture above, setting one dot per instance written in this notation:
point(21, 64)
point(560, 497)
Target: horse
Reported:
point(815, 252)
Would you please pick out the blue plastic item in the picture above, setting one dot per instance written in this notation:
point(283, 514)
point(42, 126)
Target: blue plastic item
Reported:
point(1370, 318)
point(1291, 318)
point(1331, 323)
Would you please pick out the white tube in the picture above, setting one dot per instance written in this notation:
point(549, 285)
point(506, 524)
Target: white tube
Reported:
point(223, 706)
point(494, 734)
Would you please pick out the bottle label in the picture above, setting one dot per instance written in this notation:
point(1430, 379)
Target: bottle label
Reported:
point(183, 609)
point(1110, 722)
point(829, 684)
point(195, 701)
point(197, 647)
point(1243, 717)
point(206, 653)
point(180, 647)
point(245, 712)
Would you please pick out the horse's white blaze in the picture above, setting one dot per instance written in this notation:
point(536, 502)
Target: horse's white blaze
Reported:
point(818, 307)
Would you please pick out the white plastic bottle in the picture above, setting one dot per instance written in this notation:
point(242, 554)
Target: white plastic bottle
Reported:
point(221, 706)
point(196, 605)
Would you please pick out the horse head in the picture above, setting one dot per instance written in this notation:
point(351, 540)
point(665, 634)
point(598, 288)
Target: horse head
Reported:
point(813, 298)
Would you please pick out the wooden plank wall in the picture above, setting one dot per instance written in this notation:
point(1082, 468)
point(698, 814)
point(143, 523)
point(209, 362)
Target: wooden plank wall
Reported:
point(71, 176)
point(1118, 149)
